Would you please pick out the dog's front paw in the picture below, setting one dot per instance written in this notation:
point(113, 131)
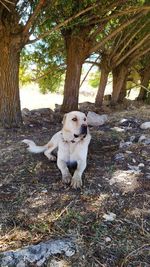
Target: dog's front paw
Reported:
point(52, 158)
point(66, 178)
point(76, 182)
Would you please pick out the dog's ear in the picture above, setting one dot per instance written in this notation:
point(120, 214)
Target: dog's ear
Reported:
point(64, 118)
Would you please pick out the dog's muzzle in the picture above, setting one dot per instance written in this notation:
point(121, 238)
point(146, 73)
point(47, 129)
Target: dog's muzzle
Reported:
point(83, 129)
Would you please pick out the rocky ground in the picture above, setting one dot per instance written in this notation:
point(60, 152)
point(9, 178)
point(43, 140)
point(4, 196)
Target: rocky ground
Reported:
point(108, 217)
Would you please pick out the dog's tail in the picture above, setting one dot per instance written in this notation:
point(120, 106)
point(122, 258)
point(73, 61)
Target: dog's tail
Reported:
point(32, 147)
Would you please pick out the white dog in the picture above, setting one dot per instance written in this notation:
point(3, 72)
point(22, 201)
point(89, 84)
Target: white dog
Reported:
point(72, 143)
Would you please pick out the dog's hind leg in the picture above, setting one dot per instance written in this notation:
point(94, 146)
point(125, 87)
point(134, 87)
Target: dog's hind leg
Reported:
point(51, 145)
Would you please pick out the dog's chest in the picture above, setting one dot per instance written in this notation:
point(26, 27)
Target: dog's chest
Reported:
point(68, 150)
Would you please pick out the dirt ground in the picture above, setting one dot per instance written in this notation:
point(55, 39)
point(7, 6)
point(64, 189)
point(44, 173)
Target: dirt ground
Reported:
point(36, 206)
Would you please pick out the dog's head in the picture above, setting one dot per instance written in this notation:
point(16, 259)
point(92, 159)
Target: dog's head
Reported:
point(75, 125)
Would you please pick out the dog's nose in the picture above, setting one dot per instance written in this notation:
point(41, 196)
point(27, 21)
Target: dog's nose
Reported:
point(83, 129)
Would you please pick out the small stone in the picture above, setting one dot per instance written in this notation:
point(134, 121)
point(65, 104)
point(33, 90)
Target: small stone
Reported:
point(145, 125)
point(129, 123)
point(134, 168)
point(124, 144)
point(110, 216)
point(119, 156)
point(129, 152)
point(94, 119)
point(69, 253)
point(21, 264)
point(107, 239)
point(44, 191)
point(25, 112)
point(144, 140)
point(132, 138)
point(118, 129)
point(141, 165)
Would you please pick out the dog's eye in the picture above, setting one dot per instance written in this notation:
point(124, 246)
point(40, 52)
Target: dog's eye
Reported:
point(84, 119)
point(74, 119)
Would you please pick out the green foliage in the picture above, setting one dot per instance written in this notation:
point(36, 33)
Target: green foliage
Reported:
point(50, 82)
point(45, 61)
point(25, 74)
point(94, 79)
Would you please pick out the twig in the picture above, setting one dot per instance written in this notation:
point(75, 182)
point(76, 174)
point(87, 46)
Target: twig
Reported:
point(133, 252)
point(89, 71)
point(140, 85)
point(5, 6)
point(63, 211)
point(100, 264)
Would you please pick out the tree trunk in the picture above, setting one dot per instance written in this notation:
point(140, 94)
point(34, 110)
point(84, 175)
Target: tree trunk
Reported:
point(102, 84)
point(76, 50)
point(119, 76)
point(123, 91)
point(10, 113)
point(145, 77)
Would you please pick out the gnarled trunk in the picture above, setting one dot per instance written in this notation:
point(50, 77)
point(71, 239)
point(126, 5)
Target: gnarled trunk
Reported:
point(145, 77)
point(103, 83)
point(73, 74)
point(119, 76)
point(10, 114)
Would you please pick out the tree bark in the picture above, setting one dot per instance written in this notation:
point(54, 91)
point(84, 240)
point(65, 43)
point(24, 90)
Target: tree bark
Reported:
point(103, 83)
point(145, 77)
point(10, 113)
point(76, 50)
point(119, 76)
point(123, 91)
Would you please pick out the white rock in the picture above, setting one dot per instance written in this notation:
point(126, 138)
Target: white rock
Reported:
point(110, 216)
point(124, 144)
point(38, 253)
point(25, 112)
point(118, 129)
point(94, 119)
point(134, 168)
point(107, 239)
point(44, 191)
point(21, 264)
point(145, 125)
point(141, 165)
point(128, 152)
point(142, 138)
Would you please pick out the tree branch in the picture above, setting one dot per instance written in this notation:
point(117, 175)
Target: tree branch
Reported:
point(3, 2)
point(113, 33)
point(102, 25)
point(143, 9)
point(132, 36)
point(139, 44)
point(138, 55)
point(94, 63)
point(140, 85)
point(32, 19)
point(62, 24)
